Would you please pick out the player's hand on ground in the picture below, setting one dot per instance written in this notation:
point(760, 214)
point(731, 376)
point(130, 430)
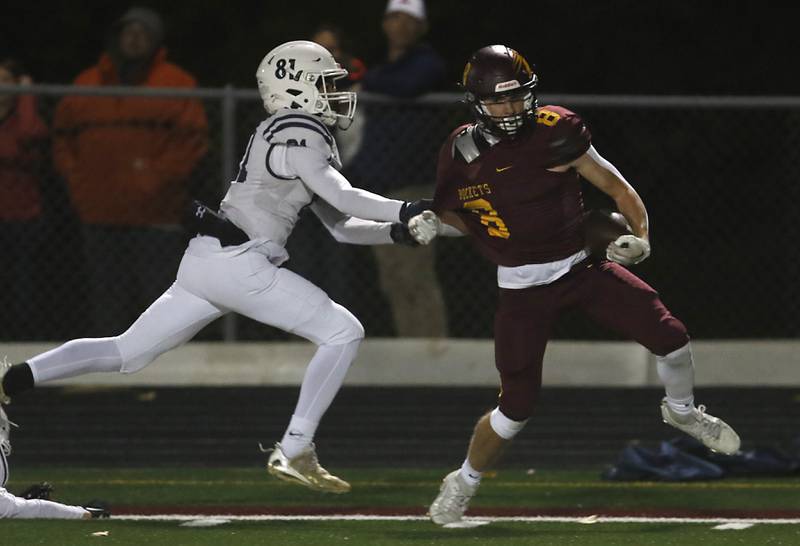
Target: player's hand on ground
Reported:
point(425, 227)
point(628, 250)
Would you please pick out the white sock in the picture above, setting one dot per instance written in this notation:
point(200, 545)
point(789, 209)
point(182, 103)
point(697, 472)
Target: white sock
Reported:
point(469, 474)
point(676, 371)
point(323, 378)
point(298, 436)
point(681, 407)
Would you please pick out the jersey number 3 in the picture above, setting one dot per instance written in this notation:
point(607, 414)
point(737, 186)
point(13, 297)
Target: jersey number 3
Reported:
point(489, 217)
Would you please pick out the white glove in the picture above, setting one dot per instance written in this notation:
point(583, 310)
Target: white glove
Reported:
point(628, 250)
point(425, 227)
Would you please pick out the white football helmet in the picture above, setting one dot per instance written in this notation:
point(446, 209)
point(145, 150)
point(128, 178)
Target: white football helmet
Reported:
point(301, 75)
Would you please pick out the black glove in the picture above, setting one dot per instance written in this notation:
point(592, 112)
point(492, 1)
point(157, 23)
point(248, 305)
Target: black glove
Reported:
point(401, 236)
point(38, 491)
point(412, 208)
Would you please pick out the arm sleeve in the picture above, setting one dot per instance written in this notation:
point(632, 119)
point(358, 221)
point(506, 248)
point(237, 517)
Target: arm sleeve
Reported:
point(349, 230)
point(314, 170)
point(19, 508)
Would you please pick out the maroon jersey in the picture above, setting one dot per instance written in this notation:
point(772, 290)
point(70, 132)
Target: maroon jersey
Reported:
point(517, 211)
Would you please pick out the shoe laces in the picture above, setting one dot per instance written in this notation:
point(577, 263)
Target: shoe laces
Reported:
point(308, 459)
point(458, 500)
point(711, 427)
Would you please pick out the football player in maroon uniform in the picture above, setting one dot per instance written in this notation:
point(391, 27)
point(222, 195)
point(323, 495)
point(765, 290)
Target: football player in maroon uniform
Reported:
point(511, 182)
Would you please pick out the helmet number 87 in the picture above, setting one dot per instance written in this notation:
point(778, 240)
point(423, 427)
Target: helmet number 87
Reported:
point(489, 217)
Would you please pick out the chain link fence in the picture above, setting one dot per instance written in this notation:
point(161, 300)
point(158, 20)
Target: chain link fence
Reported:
point(717, 177)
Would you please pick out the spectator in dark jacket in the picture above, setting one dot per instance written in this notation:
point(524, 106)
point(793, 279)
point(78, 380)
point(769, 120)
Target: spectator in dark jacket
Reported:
point(397, 156)
point(412, 67)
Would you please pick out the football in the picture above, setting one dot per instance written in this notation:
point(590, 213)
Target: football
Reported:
point(601, 227)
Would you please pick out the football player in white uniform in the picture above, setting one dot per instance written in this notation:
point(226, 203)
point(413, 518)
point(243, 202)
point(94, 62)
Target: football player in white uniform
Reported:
point(12, 506)
point(290, 162)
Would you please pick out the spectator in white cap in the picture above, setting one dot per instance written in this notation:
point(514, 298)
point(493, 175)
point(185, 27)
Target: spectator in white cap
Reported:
point(412, 67)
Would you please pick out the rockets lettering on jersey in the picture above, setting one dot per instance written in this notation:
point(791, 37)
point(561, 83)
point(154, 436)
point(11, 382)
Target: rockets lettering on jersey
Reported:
point(517, 211)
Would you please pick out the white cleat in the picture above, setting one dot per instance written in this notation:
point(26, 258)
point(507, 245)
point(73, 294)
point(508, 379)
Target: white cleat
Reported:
point(713, 432)
point(453, 499)
point(305, 470)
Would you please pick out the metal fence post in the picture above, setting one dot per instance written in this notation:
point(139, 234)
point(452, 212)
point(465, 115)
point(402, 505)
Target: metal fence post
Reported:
point(229, 326)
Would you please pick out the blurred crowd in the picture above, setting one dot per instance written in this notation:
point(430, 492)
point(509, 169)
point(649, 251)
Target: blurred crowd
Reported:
point(102, 185)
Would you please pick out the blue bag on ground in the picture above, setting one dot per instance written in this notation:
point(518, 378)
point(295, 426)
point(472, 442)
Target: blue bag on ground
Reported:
point(668, 463)
point(757, 461)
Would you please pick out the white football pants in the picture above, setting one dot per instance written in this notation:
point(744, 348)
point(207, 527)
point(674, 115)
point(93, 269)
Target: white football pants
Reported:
point(212, 281)
point(16, 507)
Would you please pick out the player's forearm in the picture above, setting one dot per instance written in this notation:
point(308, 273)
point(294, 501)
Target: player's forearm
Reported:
point(632, 208)
point(605, 176)
point(364, 204)
point(355, 231)
point(348, 230)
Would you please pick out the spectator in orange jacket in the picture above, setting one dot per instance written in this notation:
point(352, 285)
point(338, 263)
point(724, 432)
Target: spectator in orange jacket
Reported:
point(127, 162)
point(23, 142)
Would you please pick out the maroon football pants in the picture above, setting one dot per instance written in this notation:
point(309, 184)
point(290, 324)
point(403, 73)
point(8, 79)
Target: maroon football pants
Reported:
point(607, 292)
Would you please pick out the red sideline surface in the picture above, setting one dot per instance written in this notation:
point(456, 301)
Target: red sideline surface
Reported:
point(151, 510)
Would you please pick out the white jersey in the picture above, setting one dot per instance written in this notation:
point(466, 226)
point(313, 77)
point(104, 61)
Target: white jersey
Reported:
point(267, 195)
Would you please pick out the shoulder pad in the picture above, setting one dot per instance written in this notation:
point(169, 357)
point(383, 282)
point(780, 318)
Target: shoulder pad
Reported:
point(294, 128)
point(567, 135)
point(465, 145)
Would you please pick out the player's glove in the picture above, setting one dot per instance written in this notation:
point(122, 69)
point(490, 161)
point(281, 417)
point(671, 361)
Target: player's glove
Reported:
point(425, 227)
point(628, 250)
point(413, 208)
point(401, 235)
